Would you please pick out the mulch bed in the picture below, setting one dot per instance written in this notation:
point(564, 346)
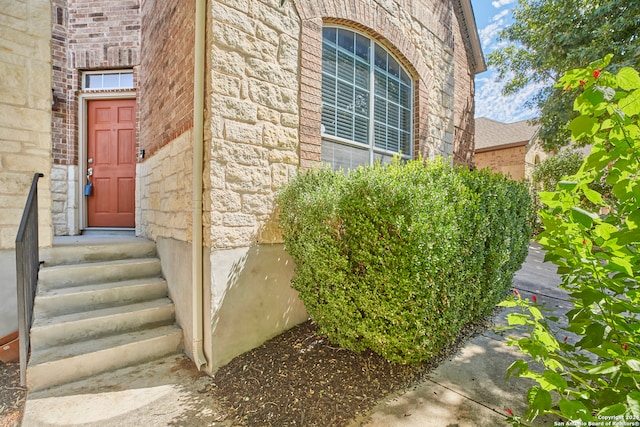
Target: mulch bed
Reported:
point(300, 379)
point(12, 396)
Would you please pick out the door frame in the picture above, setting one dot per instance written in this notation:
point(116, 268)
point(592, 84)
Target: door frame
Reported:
point(83, 104)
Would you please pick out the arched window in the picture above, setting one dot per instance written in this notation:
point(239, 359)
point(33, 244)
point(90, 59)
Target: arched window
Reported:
point(367, 101)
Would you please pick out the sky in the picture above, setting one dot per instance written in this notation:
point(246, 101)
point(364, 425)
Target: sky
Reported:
point(491, 17)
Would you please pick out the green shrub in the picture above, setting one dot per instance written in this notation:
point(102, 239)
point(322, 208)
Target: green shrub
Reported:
point(398, 258)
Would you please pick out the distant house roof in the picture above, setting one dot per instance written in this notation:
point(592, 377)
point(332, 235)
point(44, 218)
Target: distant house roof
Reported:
point(493, 135)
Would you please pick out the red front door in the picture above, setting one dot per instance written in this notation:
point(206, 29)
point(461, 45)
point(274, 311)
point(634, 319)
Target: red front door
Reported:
point(111, 160)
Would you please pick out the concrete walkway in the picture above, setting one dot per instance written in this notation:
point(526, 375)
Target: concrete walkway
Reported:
point(468, 390)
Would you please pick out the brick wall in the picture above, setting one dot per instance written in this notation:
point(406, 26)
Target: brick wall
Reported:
point(463, 101)
point(166, 111)
point(509, 161)
point(86, 35)
point(25, 115)
point(166, 71)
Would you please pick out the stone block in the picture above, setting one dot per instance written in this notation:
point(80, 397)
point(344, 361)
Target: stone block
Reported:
point(245, 154)
point(280, 137)
point(228, 62)
point(270, 95)
point(236, 219)
point(247, 178)
point(225, 85)
point(230, 108)
point(243, 132)
point(225, 201)
point(271, 72)
point(269, 115)
point(231, 16)
point(257, 204)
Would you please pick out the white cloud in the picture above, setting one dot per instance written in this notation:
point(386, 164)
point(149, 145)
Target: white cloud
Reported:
point(492, 104)
point(499, 16)
point(489, 32)
point(499, 3)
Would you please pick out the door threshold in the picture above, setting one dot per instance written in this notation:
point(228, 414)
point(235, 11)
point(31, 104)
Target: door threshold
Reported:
point(109, 231)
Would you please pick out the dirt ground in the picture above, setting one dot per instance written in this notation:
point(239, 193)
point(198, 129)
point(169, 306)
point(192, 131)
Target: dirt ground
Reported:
point(295, 379)
point(12, 396)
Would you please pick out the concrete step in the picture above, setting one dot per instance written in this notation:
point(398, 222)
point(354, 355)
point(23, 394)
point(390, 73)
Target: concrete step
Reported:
point(55, 302)
point(80, 249)
point(49, 332)
point(67, 363)
point(62, 276)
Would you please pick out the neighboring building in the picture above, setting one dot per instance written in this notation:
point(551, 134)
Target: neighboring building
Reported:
point(510, 148)
point(186, 116)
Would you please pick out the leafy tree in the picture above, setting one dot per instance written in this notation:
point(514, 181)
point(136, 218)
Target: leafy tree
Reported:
point(547, 173)
point(551, 36)
point(589, 370)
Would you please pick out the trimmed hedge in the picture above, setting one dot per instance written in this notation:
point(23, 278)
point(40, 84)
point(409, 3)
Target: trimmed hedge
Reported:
point(398, 258)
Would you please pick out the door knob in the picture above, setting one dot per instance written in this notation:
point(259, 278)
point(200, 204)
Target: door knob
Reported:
point(90, 160)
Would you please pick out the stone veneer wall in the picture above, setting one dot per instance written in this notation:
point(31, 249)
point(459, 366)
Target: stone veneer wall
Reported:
point(86, 35)
point(254, 118)
point(263, 115)
point(257, 117)
point(252, 143)
point(164, 192)
point(25, 115)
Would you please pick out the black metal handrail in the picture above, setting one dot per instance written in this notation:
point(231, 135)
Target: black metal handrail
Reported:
point(27, 266)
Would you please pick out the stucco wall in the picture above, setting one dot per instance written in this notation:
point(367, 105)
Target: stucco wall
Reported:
point(25, 114)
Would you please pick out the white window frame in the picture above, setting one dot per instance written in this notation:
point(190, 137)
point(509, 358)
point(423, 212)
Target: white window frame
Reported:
point(370, 146)
point(103, 73)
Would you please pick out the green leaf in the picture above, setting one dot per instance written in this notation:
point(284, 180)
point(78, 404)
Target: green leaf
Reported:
point(553, 381)
point(574, 410)
point(593, 196)
point(517, 368)
point(633, 400)
point(517, 319)
point(621, 264)
point(583, 126)
point(583, 217)
point(634, 364)
point(628, 79)
point(617, 409)
point(633, 220)
point(539, 401)
point(535, 312)
point(605, 368)
point(565, 185)
point(631, 104)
